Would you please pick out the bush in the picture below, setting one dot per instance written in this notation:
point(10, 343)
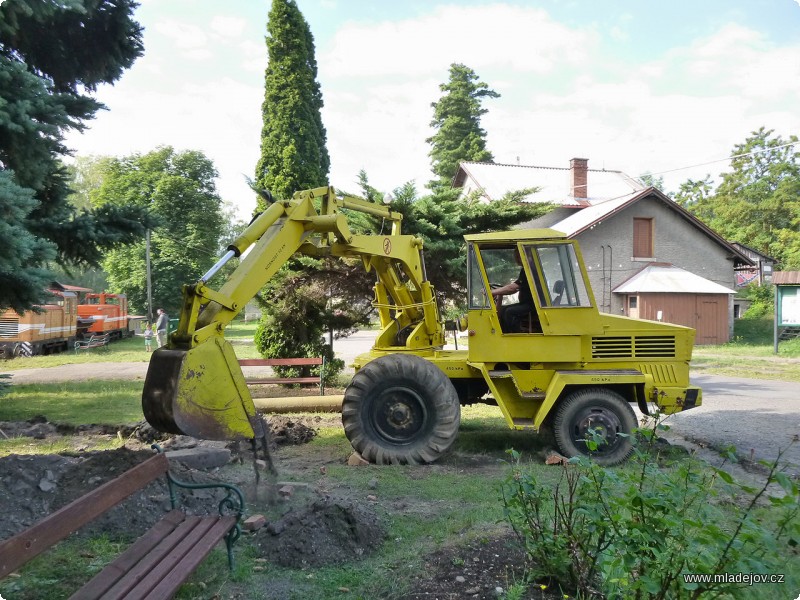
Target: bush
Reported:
point(634, 532)
point(276, 340)
point(763, 301)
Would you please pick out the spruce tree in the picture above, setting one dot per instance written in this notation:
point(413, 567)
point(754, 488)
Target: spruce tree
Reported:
point(294, 155)
point(457, 120)
point(52, 56)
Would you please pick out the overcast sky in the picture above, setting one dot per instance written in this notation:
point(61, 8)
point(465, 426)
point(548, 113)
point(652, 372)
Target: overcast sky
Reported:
point(638, 86)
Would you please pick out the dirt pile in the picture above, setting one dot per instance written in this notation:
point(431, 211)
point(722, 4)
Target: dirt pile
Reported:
point(33, 486)
point(327, 532)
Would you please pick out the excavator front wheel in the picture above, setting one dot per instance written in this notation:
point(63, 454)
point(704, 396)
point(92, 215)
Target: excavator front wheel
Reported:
point(401, 409)
point(595, 414)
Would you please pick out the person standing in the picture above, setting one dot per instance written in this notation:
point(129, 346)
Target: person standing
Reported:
point(162, 323)
point(148, 338)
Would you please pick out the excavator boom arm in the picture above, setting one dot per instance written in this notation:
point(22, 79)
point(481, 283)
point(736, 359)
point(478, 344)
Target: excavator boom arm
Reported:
point(195, 386)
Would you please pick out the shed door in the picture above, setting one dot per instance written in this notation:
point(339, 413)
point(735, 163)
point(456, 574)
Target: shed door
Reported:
point(711, 321)
point(706, 313)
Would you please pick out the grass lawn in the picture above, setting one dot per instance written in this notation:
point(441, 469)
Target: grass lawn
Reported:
point(751, 353)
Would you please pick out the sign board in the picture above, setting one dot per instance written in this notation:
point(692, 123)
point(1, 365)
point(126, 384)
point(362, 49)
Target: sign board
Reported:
point(788, 305)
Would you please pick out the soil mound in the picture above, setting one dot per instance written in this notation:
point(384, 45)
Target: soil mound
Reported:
point(327, 532)
point(33, 486)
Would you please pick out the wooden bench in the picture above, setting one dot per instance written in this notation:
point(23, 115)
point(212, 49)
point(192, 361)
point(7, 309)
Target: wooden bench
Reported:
point(286, 362)
point(158, 563)
point(95, 341)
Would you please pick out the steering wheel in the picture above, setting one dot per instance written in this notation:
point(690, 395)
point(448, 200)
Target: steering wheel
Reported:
point(495, 286)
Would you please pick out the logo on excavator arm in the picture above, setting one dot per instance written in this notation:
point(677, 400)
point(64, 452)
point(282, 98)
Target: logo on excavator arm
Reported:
point(387, 246)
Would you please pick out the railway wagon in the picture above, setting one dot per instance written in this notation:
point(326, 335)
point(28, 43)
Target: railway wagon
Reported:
point(108, 313)
point(49, 328)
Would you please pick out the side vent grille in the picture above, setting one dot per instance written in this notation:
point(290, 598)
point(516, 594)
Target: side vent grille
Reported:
point(655, 346)
point(645, 346)
point(612, 347)
point(9, 328)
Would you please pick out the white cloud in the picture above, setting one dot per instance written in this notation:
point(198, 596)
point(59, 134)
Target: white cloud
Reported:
point(198, 117)
point(183, 35)
point(228, 26)
point(522, 39)
point(253, 55)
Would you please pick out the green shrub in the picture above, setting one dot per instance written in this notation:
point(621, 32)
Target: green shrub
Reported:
point(763, 301)
point(754, 332)
point(276, 340)
point(634, 532)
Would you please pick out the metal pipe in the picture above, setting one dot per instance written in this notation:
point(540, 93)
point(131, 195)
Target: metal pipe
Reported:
point(219, 264)
point(294, 404)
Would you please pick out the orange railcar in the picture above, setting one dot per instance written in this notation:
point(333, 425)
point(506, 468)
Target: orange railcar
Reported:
point(108, 314)
point(49, 328)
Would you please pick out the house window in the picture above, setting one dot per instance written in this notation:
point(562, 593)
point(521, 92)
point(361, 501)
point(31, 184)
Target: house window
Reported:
point(633, 301)
point(643, 238)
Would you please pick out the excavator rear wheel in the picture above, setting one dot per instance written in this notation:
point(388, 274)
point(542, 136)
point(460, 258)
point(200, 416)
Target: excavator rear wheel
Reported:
point(595, 414)
point(401, 409)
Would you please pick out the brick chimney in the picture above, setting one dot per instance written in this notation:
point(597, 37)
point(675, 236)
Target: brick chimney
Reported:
point(578, 170)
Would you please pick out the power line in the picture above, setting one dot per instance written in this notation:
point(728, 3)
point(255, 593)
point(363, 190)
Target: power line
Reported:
point(728, 158)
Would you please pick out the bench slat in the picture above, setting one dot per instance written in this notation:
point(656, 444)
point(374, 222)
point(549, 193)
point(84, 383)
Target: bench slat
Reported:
point(278, 362)
point(187, 565)
point(138, 580)
point(190, 537)
point(17, 550)
point(117, 569)
point(283, 380)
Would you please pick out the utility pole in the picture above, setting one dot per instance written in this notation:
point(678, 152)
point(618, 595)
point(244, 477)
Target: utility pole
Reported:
point(149, 278)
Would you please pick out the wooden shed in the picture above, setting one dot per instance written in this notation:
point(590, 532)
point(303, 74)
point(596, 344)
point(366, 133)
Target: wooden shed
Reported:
point(663, 292)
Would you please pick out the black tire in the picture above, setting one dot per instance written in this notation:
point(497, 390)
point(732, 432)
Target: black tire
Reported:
point(401, 409)
point(604, 411)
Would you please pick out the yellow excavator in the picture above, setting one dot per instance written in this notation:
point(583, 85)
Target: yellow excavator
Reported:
point(563, 365)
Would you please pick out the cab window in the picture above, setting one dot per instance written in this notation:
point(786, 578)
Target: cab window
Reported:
point(562, 276)
point(501, 269)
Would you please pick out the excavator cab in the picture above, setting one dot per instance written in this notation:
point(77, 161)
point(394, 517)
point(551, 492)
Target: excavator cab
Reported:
point(560, 303)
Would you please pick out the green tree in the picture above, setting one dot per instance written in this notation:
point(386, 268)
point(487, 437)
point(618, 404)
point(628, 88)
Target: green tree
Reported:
point(651, 180)
point(457, 120)
point(53, 55)
point(294, 155)
point(444, 217)
point(758, 200)
point(178, 189)
point(694, 193)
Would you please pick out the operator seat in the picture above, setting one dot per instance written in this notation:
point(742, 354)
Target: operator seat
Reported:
point(558, 290)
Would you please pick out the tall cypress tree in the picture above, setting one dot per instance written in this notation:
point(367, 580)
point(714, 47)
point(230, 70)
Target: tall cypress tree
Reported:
point(457, 120)
point(293, 140)
point(294, 157)
point(52, 56)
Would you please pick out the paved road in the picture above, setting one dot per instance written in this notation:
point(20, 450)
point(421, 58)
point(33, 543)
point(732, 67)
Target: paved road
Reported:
point(755, 415)
point(752, 414)
point(346, 349)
